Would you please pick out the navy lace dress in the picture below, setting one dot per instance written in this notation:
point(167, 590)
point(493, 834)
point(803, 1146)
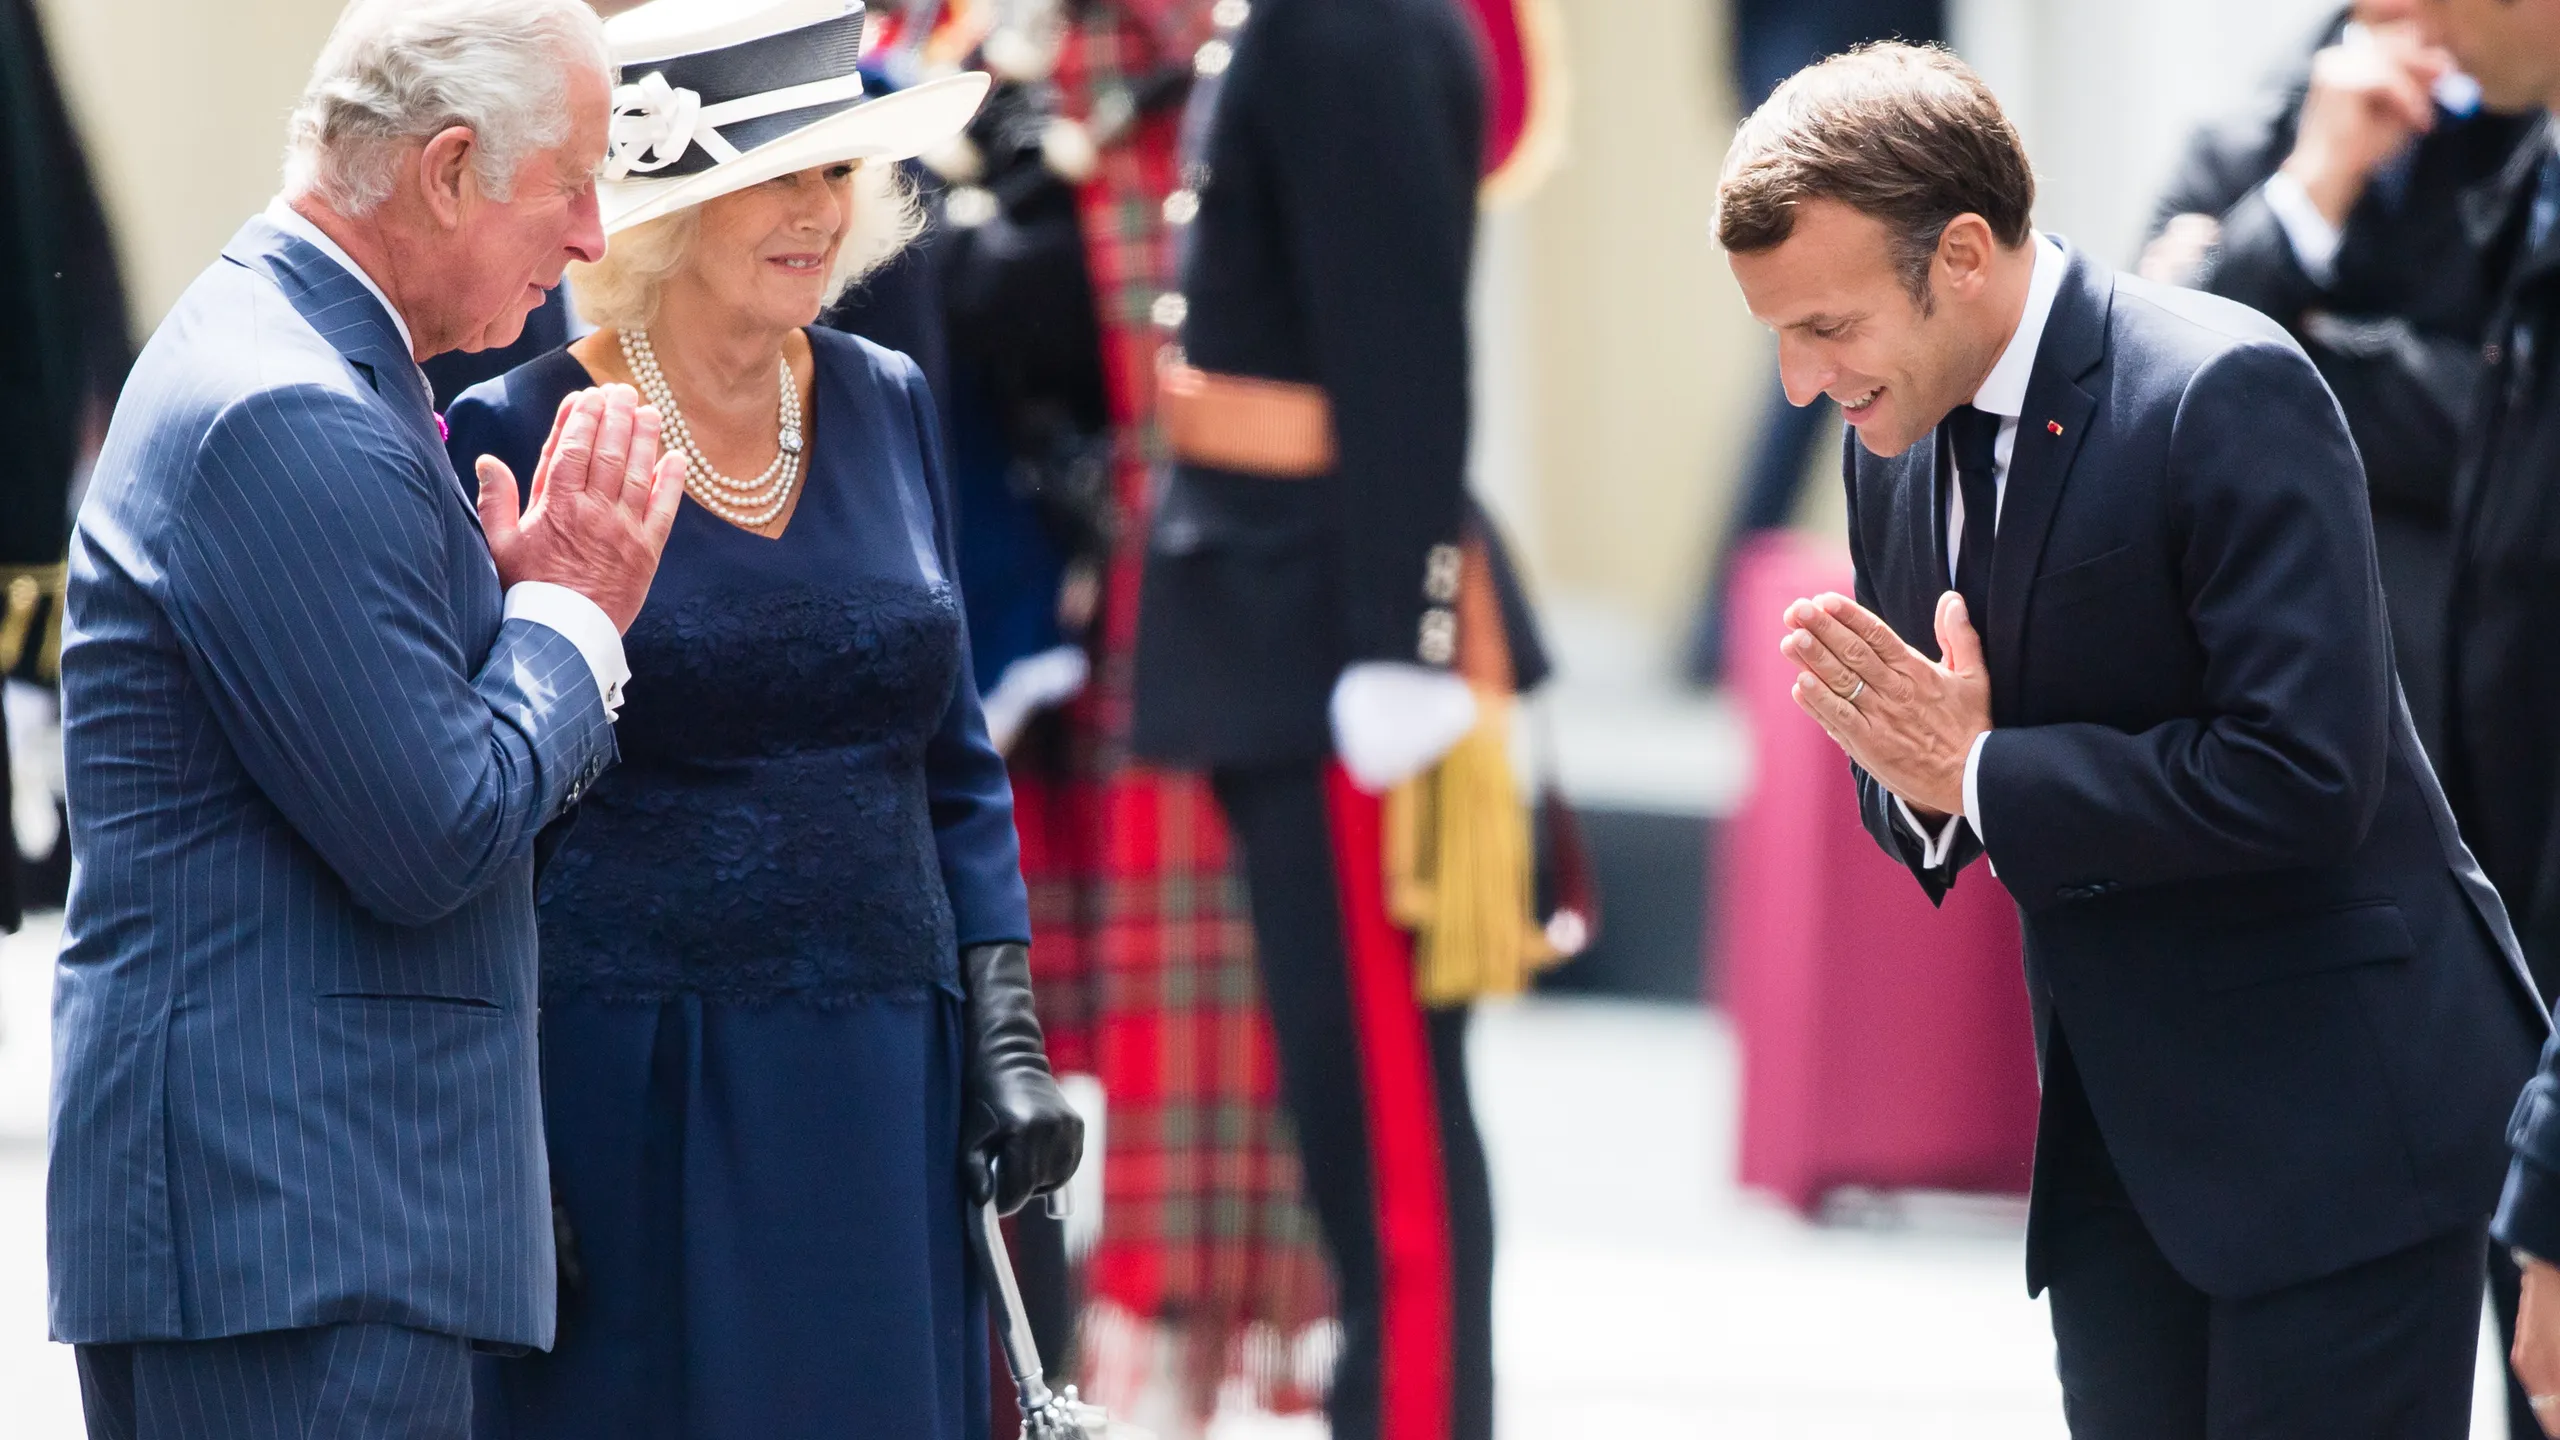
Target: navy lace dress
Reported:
point(750, 1028)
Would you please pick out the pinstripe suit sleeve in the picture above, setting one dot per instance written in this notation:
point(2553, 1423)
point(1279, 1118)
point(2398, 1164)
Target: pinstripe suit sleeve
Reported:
point(309, 585)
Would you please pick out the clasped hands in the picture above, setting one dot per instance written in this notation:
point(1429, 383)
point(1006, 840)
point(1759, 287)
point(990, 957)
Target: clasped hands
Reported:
point(1907, 720)
point(602, 501)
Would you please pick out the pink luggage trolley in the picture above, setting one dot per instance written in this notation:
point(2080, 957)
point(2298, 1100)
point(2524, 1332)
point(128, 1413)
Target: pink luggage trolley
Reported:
point(1885, 1043)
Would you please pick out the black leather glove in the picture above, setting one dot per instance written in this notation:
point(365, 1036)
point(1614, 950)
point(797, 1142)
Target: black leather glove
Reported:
point(1019, 1123)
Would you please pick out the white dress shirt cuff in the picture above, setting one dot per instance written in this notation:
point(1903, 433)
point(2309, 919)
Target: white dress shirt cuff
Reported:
point(1973, 786)
point(585, 625)
point(1933, 848)
point(2314, 240)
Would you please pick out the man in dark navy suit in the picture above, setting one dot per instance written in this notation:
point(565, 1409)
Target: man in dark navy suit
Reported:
point(2280, 1013)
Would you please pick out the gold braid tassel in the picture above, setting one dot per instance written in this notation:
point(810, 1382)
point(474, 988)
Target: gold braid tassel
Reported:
point(1461, 868)
point(27, 591)
point(1462, 872)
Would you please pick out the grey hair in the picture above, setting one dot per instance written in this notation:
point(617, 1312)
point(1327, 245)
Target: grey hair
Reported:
point(398, 72)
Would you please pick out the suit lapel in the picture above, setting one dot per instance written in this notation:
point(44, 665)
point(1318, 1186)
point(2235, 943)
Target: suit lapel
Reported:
point(354, 323)
point(2056, 420)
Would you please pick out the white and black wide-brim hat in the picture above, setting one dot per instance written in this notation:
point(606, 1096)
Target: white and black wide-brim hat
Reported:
point(718, 95)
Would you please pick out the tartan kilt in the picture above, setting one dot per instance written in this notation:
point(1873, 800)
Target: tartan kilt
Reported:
point(1142, 942)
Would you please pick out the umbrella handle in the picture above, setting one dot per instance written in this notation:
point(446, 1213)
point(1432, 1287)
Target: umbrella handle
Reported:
point(1021, 1351)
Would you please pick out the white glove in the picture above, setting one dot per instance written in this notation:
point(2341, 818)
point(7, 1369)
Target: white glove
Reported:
point(35, 768)
point(1030, 685)
point(1391, 722)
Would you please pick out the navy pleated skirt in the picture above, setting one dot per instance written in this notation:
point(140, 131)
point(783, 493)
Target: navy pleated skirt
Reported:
point(768, 1217)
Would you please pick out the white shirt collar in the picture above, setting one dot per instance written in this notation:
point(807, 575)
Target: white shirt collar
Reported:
point(293, 222)
point(2004, 390)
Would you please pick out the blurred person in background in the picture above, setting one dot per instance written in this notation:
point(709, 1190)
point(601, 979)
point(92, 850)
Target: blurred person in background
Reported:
point(1773, 39)
point(2502, 759)
point(64, 350)
point(1205, 1282)
point(317, 712)
point(2279, 1011)
point(2334, 206)
point(1316, 590)
point(787, 1026)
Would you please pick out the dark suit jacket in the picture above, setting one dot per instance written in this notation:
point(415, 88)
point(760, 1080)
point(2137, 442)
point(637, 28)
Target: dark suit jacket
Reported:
point(295, 1078)
point(2396, 332)
point(2502, 766)
point(1337, 190)
point(2295, 1004)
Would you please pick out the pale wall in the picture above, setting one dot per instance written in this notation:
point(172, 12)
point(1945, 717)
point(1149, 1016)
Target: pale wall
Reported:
point(183, 104)
point(1644, 368)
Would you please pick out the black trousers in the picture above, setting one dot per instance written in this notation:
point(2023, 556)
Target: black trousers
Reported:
point(2380, 1351)
point(334, 1382)
point(1376, 1089)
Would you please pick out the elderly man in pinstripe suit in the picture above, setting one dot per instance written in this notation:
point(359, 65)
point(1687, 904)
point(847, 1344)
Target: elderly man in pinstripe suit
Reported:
point(319, 702)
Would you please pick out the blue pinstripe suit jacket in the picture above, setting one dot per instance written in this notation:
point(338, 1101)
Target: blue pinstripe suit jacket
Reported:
point(294, 1077)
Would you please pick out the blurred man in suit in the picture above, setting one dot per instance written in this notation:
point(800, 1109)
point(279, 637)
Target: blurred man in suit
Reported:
point(2333, 204)
point(312, 731)
point(2502, 765)
point(2279, 1010)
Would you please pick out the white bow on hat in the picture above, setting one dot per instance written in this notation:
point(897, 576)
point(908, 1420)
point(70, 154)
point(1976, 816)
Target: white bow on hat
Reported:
point(654, 123)
point(658, 124)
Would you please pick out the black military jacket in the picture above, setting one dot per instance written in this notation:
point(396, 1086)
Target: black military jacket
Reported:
point(1330, 209)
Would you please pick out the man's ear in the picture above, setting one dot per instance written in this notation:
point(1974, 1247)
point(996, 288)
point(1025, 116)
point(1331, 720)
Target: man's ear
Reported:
point(1965, 249)
point(445, 174)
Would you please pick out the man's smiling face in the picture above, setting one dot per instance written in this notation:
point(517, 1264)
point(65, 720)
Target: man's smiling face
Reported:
point(1849, 327)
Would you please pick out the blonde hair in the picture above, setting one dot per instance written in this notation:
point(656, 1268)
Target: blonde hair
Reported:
point(621, 291)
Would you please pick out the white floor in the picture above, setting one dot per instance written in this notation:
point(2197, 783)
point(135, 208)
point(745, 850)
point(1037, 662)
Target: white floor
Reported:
point(1641, 1295)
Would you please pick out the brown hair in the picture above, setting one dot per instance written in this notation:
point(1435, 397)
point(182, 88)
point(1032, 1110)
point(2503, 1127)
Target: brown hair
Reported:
point(1906, 134)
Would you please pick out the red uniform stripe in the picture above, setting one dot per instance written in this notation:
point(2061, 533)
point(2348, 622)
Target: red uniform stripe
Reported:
point(1417, 1285)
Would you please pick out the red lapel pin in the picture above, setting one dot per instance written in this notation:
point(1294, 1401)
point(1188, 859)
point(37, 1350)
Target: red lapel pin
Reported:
point(2054, 425)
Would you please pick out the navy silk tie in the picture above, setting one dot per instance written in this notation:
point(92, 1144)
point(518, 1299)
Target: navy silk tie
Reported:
point(1974, 436)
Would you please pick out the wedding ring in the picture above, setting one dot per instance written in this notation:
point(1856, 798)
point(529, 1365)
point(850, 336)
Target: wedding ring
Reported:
point(1852, 696)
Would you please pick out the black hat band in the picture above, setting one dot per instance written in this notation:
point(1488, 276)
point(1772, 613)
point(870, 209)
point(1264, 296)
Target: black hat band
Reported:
point(693, 112)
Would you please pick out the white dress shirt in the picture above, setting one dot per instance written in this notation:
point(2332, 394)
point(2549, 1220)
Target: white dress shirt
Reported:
point(2003, 393)
point(2307, 232)
point(555, 607)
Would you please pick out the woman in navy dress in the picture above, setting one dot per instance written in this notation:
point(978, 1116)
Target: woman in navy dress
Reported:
point(786, 1001)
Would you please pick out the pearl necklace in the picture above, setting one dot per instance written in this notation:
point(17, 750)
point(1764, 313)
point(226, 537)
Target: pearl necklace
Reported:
point(752, 503)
